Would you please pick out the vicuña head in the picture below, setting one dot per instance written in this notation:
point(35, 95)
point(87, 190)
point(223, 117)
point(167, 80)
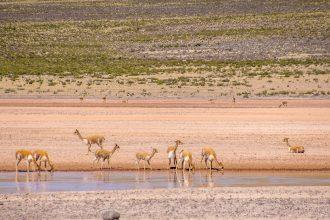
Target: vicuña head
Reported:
point(76, 132)
point(154, 150)
point(178, 142)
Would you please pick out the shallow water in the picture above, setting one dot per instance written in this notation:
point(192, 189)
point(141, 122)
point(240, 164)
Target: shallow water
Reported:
point(10, 182)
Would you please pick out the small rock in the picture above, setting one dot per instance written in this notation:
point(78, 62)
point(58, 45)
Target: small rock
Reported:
point(1, 203)
point(110, 215)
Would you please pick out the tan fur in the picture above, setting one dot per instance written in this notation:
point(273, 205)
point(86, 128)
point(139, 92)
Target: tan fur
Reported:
point(105, 155)
point(91, 139)
point(208, 154)
point(172, 149)
point(42, 156)
point(146, 157)
point(27, 155)
point(294, 149)
point(284, 103)
point(185, 158)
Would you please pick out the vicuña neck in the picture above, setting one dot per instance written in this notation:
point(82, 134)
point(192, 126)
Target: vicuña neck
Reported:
point(113, 150)
point(287, 143)
point(152, 154)
point(79, 135)
point(176, 145)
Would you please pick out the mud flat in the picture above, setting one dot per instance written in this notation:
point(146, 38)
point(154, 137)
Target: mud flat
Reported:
point(244, 138)
point(197, 203)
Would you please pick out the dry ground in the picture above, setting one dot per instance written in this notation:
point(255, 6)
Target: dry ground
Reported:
point(244, 138)
point(211, 203)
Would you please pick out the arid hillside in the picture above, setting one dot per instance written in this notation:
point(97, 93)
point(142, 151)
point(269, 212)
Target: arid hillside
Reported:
point(164, 49)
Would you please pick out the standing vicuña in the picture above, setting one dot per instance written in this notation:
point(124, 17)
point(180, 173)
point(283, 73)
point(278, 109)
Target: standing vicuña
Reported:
point(185, 158)
point(171, 153)
point(208, 154)
point(91, 139)
point(146, 157)
point(105, 155)
point(42, 156)
point(25, 154)
point(294, 149)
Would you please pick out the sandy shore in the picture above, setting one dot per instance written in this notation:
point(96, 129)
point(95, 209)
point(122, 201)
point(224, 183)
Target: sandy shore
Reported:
point(199, 203)
point(244, 138)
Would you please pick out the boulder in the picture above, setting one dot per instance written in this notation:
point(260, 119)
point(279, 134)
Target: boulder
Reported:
point(110, 215)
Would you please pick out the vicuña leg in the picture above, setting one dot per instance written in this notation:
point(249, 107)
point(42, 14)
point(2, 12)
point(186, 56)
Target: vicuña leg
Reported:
point(109, 163)
point(96, 159)
point(28, 165)
point(17, 163)
point(99, 143)
point(89, 148)
point(206, 162)
point(138, 164)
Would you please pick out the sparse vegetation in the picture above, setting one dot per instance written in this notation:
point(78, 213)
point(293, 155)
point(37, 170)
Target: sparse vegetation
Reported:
point(176, 53)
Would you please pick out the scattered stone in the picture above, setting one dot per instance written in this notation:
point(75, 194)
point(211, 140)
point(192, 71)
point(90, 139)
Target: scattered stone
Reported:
point(1, 203)
point(110, 215)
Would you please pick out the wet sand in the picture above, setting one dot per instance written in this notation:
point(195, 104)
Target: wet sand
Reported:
point(309, 202)
point(244, 138)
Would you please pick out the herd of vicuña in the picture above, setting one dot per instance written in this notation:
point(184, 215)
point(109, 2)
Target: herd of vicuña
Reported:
point(185, 159)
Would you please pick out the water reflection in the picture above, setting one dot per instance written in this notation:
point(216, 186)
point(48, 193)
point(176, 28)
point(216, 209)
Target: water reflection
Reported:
point(140, 176)
point(207, 177)
point(184, 179)
point(24, 181)
point(101, 175)
point(109, 180)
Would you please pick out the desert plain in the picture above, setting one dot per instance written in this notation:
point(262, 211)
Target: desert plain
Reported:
point(146, 73)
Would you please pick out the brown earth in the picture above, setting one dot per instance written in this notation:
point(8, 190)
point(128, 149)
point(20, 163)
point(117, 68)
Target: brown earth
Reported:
point(244, 138)
point(311, 202)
